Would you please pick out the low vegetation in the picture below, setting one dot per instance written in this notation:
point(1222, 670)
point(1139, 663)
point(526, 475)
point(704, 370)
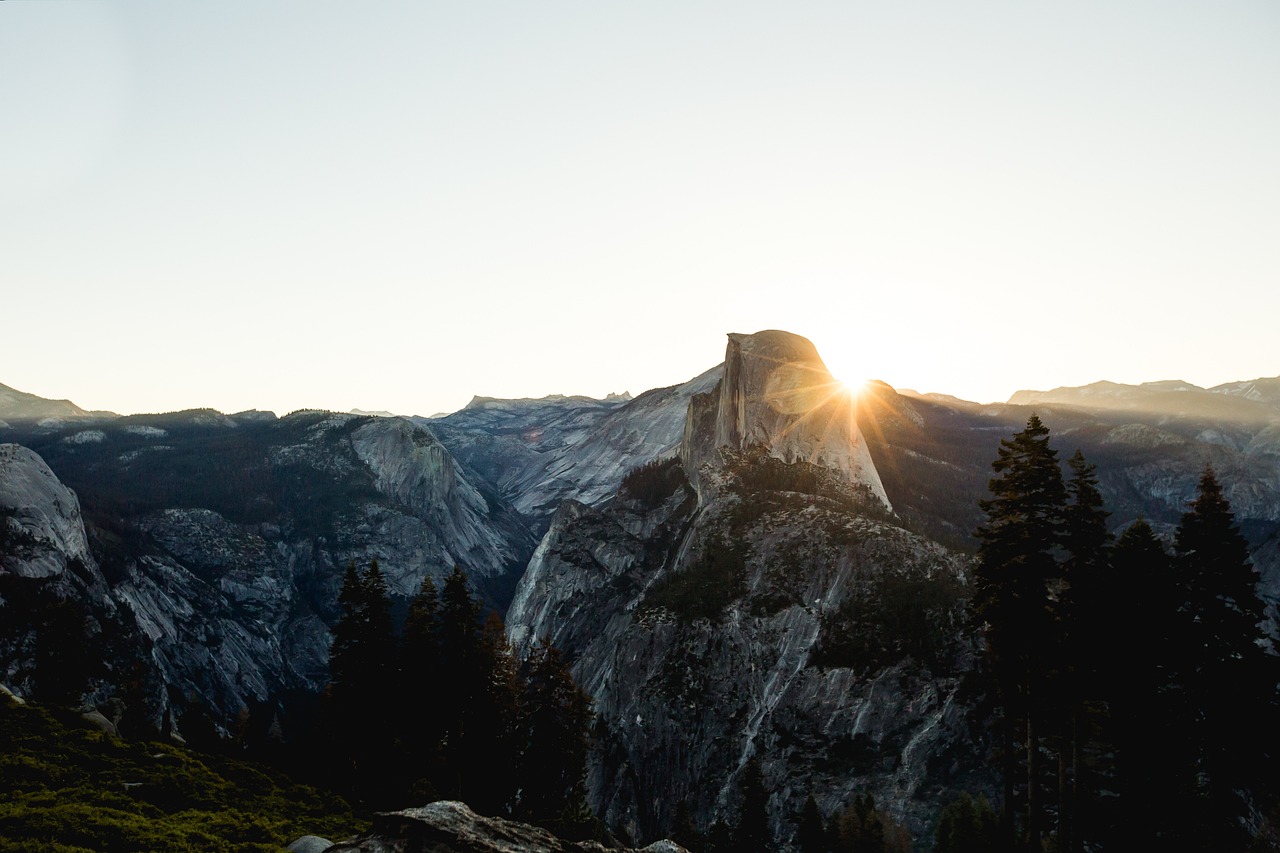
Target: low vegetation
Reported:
point(913, 612)
point(652, 483)
point(66, 787)
point(704, 589)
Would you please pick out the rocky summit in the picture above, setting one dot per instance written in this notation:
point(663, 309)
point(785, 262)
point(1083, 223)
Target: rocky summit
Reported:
point(776, 393)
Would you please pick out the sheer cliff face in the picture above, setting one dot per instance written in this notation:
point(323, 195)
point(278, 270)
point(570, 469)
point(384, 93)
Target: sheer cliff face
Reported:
point(703, 609)
point(225, 541)
point(42, 517)
point(707, 629)
point(776, 393)
point(44, 557)
point(540, 453)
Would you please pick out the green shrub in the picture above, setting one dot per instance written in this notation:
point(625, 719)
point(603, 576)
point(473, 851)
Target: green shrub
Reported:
point(67, 788)
point(704, 589)
point(911, 612)
point(652, 483)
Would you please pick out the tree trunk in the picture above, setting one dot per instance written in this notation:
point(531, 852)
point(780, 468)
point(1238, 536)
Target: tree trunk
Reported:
point(1077, 844)
point(1033, 747)
point(1066, 795)
point(1009, 763)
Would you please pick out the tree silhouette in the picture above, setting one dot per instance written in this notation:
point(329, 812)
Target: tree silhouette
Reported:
point(553, 763)
point(1017, 567)
point(1226, 679)
point(752, 835)
point(362, 669)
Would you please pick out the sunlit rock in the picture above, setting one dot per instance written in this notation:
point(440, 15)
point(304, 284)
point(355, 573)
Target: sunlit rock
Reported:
point(776, 393)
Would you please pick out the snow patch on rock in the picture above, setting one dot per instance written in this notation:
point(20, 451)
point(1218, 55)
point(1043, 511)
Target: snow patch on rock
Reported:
point(86, 436)
point(146, 431)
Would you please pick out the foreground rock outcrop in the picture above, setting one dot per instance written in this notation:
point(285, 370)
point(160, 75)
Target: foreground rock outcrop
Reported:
point(451, 827)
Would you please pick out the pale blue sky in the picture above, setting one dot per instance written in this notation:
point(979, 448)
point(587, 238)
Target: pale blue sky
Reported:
point(399, 205)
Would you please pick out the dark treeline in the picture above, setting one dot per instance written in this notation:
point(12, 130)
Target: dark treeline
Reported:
point(859, 827)
point(445, 711)
point(1137, 697)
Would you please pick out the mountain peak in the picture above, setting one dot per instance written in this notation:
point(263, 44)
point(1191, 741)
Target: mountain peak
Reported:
point(778, 394)
point(19, 405)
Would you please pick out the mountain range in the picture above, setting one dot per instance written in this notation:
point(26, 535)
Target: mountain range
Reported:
point(709, 556)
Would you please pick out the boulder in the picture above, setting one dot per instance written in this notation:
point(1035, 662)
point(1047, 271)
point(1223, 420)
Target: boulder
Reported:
point(452, 827)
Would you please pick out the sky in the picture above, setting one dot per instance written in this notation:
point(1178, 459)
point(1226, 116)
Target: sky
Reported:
point(396, 206)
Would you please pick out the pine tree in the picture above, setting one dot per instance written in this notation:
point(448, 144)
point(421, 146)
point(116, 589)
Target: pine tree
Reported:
point(64, 659)
point(1228, 679)
point(379, 652)
point(421, 641)
point(459, 669)
point(683, 829)
point(1087, 569)
point(1086, 626)
point(752, 835)
point(345, 652)
point(811, 834)
point(491, 738)
point(557, 724)
point(420, 721)
point(966, 825)
point(860, 828)
point(1135, 679)
point(362, 669)
point(1017, 569)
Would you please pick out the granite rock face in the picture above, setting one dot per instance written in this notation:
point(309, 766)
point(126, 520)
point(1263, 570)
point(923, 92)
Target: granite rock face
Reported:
point(45, 560)
point(707, 629)
point(224, 540)
point(41, 516)
point(451, 827)
point(539, 453)
point(776, 393)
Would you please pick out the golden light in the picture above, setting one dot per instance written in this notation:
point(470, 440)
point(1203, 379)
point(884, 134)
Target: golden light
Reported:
point(854, 389)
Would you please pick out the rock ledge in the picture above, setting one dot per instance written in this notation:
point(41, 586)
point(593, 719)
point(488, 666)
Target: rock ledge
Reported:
point(451, 827)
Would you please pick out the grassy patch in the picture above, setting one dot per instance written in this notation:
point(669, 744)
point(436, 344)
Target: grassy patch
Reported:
point(64, 787)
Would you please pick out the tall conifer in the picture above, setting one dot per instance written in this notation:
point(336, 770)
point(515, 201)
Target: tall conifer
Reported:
point(1135, 677)
point(557, 722)
point(1017, 569)
point(752, 835)
point(1084, 634)
point(1228, 680)
point(420, 685)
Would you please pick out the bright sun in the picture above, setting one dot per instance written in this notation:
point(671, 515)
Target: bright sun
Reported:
point(854, 389)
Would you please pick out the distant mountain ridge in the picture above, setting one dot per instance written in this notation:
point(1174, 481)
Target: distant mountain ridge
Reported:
point(1251, 401)
point(18, 405)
